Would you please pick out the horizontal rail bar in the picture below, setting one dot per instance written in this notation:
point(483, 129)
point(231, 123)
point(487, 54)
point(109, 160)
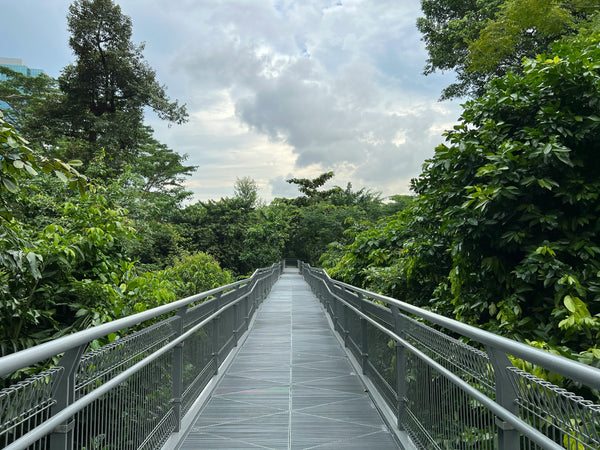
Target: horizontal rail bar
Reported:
point(564, 366)
point(509, 417)
point(24, 358)
point(49, 425)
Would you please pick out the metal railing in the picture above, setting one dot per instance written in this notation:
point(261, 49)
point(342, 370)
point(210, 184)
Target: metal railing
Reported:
point(449, 394)
point(133, 392)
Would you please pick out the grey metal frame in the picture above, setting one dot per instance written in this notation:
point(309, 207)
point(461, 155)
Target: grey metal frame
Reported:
point(133, 392)
point(450, 394)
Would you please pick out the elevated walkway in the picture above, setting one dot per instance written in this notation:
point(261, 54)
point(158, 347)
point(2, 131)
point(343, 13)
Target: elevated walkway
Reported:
point(255, 364)
point(290, 385)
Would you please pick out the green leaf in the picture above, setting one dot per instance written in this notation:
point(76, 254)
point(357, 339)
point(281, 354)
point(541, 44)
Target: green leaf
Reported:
point(12, 142)
point(33, 259)
point(547, 184)
point(29, 169)
point(10, 185)
point(61, 176)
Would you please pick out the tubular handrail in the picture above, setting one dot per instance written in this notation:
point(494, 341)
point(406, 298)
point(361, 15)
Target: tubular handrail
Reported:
point(564, 366)
point(537, 437)
point(24, 358)
point(515, 407)
point(228, 303)
point(77, 406)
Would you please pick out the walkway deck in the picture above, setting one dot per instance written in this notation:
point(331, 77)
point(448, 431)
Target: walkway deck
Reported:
point(290, 386)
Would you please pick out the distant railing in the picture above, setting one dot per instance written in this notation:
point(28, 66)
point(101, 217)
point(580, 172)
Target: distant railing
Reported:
point(133, 392)
point(447, 394)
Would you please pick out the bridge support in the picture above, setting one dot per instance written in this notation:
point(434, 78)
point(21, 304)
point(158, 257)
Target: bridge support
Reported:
point(62, 438)
point(401, 386)
point(177, 369)
point(364, 341)
point(508, 437)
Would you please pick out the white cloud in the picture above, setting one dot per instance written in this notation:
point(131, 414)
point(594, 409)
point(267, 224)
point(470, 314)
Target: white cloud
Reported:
point(284, 88)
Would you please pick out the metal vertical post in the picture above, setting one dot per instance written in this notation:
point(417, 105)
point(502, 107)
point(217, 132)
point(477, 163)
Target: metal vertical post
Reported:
point(364, 343)
point(254, 295)
point(508, 437)
point(177, 368)
point(346, 326)
point(215, 335)
point(401, 387)
point(63, 391)
point(246, 312)
point(235, 324)
point(333, 305)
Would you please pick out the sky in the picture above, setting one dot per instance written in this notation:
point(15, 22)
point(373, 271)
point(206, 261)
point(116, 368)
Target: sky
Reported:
point(275, 89)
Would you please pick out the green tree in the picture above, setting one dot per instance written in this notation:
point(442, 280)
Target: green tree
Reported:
point(447, 28)
point(22, 95)
point(110, 84)
point(529, 218)
point(45, 265)
point(19, 161)
point(483, 40)
point(162, 168)
point(217, 228)
point(310, 188)
point(520, 28)
point(504, 231)
point(246, 189)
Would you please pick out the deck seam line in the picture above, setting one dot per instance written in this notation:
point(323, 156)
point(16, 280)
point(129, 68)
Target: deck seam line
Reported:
point(328, 444)
point(291, 369)
point(381, 427)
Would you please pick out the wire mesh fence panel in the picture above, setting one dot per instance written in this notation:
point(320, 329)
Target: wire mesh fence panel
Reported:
point(226, 325)
point(138, 409)
point(197, 313)
point(566, 418)
point(25, 405)
point(471, 364)
point(355, 335)
point(440, 415)
point(382, 366)
point(197, 365)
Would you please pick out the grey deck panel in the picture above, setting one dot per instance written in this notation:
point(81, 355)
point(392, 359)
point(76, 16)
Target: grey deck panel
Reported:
point(291, 385)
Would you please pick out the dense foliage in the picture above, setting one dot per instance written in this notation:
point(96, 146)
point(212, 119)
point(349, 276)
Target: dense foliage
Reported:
point(79, 240)
point(107, 234)
point(483, 40)
point(504, 232)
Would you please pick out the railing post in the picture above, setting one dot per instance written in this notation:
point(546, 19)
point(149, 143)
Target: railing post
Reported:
point(508, 437)
point(64, 392)
point(177, 369)
point(364, 343)
point(333, 307)
point(235, 324)
point(346, 326)
point(246, 312)
point(215, 335)
point(401, 386)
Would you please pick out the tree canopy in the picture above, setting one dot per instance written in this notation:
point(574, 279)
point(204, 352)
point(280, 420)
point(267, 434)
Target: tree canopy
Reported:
point(504, 233)
point(483, 40)
point(108, 86)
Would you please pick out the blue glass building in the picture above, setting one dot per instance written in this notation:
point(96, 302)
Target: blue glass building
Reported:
point(18, 65)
